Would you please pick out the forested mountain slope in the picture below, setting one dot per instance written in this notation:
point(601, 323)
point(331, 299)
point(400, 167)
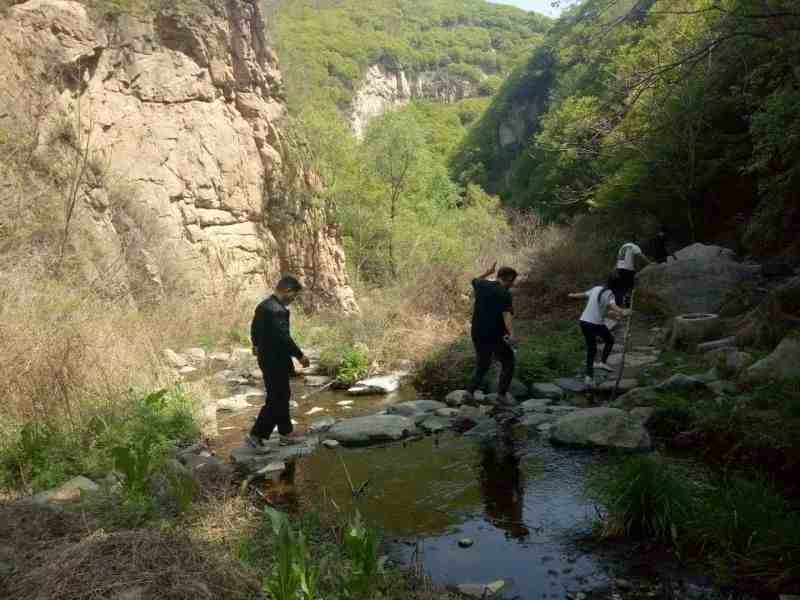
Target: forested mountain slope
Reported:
point(686, 112)
point(327, 46)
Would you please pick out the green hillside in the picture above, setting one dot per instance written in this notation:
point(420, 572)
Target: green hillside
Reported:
point(682, 112)
point(326, 46)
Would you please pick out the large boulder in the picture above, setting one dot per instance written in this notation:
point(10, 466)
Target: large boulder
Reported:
point(68, 492)
point(601, 427)
point(415, 408)
point(363, 431)
point(643, 396)
point(700, 281)
point(783, 363)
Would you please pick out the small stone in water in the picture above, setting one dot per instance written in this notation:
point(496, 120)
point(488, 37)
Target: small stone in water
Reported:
point(344, 403)
point(465, 543)
point(315, 410)
point(331, 444)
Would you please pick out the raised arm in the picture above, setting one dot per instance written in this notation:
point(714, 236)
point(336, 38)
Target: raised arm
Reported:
point(578, 295)
point(491, 271)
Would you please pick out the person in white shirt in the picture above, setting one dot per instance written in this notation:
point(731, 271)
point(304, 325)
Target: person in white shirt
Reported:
point(600, 300)
point(626, 269)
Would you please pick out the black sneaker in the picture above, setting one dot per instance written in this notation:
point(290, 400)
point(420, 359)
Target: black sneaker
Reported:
point(256, 443)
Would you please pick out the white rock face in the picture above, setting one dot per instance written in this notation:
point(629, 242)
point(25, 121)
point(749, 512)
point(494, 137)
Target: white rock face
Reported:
point(199, 189)
point(385, 90)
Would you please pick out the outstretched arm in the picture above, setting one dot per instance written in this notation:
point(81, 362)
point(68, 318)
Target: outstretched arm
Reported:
point(578, 295)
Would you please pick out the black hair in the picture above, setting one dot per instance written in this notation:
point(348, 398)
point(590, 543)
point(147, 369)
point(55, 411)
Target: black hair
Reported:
point(289, 284)
point(507, 274)
point(612, 283)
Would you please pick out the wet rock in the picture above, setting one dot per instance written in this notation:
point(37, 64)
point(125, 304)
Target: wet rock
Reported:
point(535, 404)
point(465, 543)
point(545, 428)
point(643, 414)
point(517, 389)
point(447, 413)
point(370, 430)
point(68, 492)
point(271, 469)
point(571, 385)
point(377, 385)
point(345, 403)
point(783, 363)
point(680, 382)
point(560, 409)
point(486, 428)
point(547, 390)
point(457, 398)
point(251, 459)
point(534, 419)
point(317, 380)
point(174, 360)
point(468, 417)
point(480, 590)
point(331, 444)
point(322, 425)
point(434, 425)
point(724, 388)
point(625, 386)
point(315, 410)
point(413, 408)
point(233, 403)
point(601, 427)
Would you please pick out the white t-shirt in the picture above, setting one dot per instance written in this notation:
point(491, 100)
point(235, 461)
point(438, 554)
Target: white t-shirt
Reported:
point(597, 306)
point(626, 257)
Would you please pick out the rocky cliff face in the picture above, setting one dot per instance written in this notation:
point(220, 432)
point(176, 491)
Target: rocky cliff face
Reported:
point(190, 182)
point(385, 89)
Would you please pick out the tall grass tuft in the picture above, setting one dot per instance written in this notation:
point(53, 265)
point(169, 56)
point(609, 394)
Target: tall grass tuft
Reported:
point(644, 498)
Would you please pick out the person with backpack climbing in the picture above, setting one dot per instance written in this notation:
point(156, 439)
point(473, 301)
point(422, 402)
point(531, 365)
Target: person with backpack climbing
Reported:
point(492, 328)
point(626, 270)
point(600, 300)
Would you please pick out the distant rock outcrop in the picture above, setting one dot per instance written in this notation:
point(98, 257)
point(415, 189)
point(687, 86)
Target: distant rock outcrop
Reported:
point(386, 89)
point(192, 182)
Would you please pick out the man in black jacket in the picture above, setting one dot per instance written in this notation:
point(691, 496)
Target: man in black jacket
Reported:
point(492, 328)
point(274, 347)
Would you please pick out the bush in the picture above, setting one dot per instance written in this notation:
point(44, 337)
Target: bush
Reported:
point(780, 396)
point(674, 414)
point(645, 498)
point(345, 363)
point(39, 456)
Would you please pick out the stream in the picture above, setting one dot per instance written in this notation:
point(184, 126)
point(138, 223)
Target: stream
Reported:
point(521, 502)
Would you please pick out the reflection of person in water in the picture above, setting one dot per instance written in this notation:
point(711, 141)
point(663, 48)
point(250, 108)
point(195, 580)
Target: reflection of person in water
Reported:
point(503, 486)
point(282, 491)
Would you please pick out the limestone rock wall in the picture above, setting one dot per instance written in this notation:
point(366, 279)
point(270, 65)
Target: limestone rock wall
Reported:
point(385, 89)
point(194, 184)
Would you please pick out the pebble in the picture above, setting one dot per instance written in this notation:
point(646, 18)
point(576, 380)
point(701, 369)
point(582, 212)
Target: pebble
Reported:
point(465, 543)
point(315, 410)
point(330, 444)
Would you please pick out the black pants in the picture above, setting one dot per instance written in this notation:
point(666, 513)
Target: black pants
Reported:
point(591, 332)
point(275, 412)
point(622, 294)
point(486, 350)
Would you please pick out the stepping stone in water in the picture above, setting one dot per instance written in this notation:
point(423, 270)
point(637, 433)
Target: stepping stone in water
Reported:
point(465, 543)
point(571, 385)
point(344, 403)
point(315, 410)
point(547, 390)
point(321, 425)
point(331, 444)
point(625, 385)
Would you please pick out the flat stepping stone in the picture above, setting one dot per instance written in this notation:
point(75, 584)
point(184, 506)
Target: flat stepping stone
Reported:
point(625, 385)
point(536, 404)
point(331, 444)
point(448, 413)
point(317, 380)
point(362, 431)
point(315, 410)
point(435, 425)
point(377, 385)
point(601, 427)
point(344, 403)
point(574, 386)
point(416, 407)
point(547, 390)
point(322, 425)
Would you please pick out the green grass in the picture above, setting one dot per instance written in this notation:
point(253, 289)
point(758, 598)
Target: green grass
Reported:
point(547, 350)
point(38, 456)
point(780, 396)
point(645, 498)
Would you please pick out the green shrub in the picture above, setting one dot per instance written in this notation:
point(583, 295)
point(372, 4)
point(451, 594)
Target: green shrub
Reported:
point(674, 414)
point(40, 455)
point(781, 396)
point(345, 363)
point(645, 498)
point(361, 545)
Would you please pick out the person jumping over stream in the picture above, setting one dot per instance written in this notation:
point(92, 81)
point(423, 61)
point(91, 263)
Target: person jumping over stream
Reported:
point(626, 269)
point(275, 348)
point(492, 328)
point(593, 326)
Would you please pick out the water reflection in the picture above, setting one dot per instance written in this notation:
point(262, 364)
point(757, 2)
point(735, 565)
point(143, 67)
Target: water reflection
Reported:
point(502, 485)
